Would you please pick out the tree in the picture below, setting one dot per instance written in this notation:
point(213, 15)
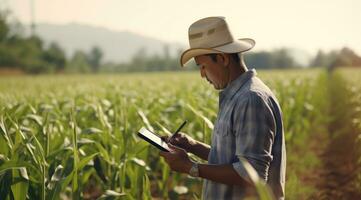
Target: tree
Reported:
point(94, 58)
point(278, 58)
point(340, 58)
point(346, 58)
point(26, 53)
point(281, 59)
point(29, 55)
point(4, 26)
point(55, 56)
point(78, 63)
point(139, 61)
point(351, 58)
point(319, 60)
point(261, 60)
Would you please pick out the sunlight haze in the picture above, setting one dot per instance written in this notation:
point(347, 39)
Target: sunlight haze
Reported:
point(308, 25)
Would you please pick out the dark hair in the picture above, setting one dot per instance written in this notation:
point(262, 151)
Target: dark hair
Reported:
point(234, 56)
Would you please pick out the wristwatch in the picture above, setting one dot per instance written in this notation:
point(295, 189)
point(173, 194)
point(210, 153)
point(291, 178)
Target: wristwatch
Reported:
point(194, 171)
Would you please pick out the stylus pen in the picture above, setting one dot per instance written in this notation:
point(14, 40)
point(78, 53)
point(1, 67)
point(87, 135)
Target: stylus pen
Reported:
point(176, 132)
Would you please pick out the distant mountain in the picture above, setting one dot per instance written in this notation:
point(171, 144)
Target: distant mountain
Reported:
point(117, 46)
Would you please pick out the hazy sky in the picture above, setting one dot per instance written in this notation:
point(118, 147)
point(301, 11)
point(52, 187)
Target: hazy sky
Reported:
point(305, 24)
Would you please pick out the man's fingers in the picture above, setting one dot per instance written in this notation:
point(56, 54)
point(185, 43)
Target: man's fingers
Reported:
point(174, 140)
point(163, 154)
point(164, 138)
point(174, 147)
point(171, 140)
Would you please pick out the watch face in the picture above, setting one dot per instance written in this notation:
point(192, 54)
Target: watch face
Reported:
point(194, 170)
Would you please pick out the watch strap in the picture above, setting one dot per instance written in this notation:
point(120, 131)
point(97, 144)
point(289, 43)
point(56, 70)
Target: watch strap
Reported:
point(194, 171)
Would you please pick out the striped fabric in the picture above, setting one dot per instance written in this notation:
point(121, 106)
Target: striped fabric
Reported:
point(249, 125)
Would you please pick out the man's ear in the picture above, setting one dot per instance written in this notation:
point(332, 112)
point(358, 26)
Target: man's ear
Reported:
point(224, 59)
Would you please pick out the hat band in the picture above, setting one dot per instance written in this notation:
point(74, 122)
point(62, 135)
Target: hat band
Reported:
point(222, 44)
point(212, 46)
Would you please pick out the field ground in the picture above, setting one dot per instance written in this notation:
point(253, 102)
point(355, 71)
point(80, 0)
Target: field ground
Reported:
point(73, 136)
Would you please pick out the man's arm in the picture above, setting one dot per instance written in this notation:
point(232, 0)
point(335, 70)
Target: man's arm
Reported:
point(200, 149)
point(221, 174)
point(178, 161)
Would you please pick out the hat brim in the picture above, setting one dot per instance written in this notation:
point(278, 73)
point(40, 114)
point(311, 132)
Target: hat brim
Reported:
point(238, 46)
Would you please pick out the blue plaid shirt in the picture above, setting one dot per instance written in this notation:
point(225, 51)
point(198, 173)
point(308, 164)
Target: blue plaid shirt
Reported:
point(249, 125)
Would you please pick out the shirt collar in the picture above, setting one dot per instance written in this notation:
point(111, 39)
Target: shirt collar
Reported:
point(236, 84)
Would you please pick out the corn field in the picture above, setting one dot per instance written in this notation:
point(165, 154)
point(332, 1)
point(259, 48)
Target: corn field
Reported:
point(74, 136)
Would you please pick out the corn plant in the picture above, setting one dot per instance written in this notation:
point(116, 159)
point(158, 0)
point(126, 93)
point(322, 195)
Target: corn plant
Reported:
point(74, 137)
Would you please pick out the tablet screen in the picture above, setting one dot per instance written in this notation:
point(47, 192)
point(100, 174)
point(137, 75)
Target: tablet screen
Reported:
point(153, 139)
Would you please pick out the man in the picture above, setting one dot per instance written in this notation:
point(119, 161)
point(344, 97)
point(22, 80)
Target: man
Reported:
point(249, 122)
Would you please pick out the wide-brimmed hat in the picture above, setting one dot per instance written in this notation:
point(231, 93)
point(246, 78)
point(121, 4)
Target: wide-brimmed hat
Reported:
point(212, 35)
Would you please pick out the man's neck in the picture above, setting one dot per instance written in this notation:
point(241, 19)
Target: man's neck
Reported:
point(236, 70)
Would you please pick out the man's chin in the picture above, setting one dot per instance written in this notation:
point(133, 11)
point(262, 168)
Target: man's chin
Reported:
point(216, 87)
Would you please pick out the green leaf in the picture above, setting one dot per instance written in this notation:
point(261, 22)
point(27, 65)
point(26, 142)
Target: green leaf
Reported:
point(5, 134)
point(91, 130)
point(55, 183)
point(263, 190)
point(24, 173)
point(56, 177)
point(5, 183)
point(145, 120)
point(38, 119)
point(75, 188)
point(99, 169)
point(55, 153)
point(103, 152)
point(137, 149)
point(164, 129)
point(17, 165)
point(85, 141)
point(39, 149)
point(58, 182)
point(85, 161)
point(111, 194)
point(19, 189)
point(141, 163)
point(199, 114)
point(146, 188)
point(103, 118)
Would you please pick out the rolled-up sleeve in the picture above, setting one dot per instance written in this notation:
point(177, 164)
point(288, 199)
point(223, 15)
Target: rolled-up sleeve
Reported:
point(254, 131)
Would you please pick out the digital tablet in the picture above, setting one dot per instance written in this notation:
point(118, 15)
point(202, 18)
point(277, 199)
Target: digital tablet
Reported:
point(153, 139)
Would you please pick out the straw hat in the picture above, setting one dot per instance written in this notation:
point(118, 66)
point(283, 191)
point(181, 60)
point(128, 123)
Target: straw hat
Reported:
point(212, 35)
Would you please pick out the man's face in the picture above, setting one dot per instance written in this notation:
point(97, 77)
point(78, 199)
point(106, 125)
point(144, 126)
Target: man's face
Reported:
point(216, 73)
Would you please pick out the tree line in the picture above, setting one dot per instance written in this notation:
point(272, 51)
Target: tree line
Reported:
point(31, 55)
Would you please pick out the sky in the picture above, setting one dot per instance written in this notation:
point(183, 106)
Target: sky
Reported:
point(308, 24)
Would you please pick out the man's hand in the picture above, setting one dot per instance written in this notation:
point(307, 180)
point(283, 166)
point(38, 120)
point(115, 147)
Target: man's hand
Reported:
point(181, 140)
point(189, 144)
point(177, 159)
